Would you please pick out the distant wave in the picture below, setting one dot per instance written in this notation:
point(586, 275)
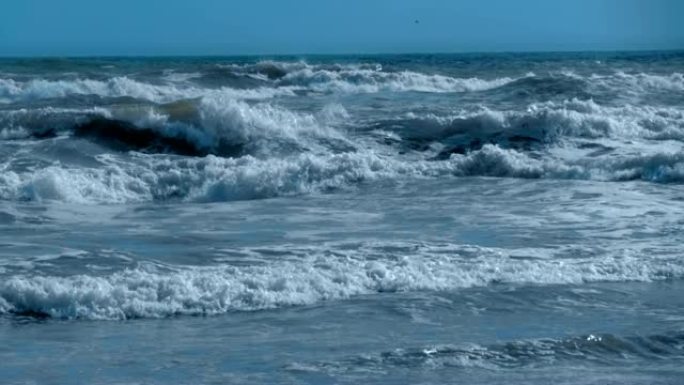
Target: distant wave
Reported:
point(13, 91)
point(636, 82)
point(372, 77)
point(271, 79)
point(361, 80)
point(283, 82)
point(213, 125)
point(310, 276)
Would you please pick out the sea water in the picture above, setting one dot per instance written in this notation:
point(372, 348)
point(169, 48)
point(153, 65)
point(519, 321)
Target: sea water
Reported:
point(476, 219)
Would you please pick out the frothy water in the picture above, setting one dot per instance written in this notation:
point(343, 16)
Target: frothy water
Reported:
point(343, 219)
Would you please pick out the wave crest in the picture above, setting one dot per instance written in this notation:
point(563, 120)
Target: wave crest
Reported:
point(310, 277)
point(369, 81)
point(36, 89)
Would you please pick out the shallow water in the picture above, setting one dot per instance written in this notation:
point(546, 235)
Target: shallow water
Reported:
point(391, 219)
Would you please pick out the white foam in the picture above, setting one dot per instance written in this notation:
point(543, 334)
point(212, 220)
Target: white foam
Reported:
point(310, 276)
point(142, 178)
point(11, 90)
point(263, 127)
point(349, 78)
point(550, 121)
point(294, 153)
point(359, 80)
point(139, 177)
point(13, 132)
point(640, 82)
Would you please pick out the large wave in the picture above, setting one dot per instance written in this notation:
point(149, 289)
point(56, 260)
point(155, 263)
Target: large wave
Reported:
point(258, 150)
point(212, 119)
point(217, 125)
point(144, 178)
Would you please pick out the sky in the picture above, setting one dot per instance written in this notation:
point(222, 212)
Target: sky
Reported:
point(249, 27)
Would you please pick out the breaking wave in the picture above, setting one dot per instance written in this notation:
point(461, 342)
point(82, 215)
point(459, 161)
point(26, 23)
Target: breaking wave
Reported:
point(546, 121)
point(308, 276)
point(369, 81)
point(173, 139)
point(16, 91)
point(372, 77)
point(268, 79)
point(144, 178)
point(212, 125)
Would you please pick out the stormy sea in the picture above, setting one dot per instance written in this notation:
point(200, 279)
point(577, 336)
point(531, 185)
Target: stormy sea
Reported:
point(392, 219)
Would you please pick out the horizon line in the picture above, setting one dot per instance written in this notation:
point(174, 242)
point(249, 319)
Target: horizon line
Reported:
point(214, 55)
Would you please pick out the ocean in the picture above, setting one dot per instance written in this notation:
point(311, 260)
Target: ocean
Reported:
point(387, 219)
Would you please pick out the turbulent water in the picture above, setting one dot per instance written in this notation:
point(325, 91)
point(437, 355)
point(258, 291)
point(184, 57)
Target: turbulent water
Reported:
point(374, 219)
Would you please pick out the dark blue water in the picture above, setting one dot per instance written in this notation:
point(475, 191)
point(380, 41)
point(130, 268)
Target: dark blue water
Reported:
point(373, 219)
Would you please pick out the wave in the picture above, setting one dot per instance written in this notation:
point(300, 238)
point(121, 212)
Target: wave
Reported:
point(215, 122)
point(362, 80)
point(258, 150)
point(551, 86)
point(141, 177)
point(600, 349)
point(148, 178)
point(539, 125)
point(270, 69)
point(659, 167)
point(14, 91)
point(372, 77)
point(639, 81)
point(268, 79)
point(311, 275)
point(618, 84)
point(216, 125)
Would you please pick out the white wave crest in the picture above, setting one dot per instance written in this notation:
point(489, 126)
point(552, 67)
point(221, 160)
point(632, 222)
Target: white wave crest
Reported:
point(551, 121)
point(143, 178)
point(155, 291)
point(641, 82)
point(370, 81)
point(11, 90)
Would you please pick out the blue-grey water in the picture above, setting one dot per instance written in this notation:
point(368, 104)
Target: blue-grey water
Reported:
point(418, 219)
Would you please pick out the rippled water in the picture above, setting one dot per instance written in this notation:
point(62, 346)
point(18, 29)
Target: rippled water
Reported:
point(389, 219)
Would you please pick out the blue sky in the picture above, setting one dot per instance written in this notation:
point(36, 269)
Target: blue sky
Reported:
point(228, 27)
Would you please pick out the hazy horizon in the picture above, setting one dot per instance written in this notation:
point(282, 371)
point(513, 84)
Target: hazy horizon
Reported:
point(353, 54)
